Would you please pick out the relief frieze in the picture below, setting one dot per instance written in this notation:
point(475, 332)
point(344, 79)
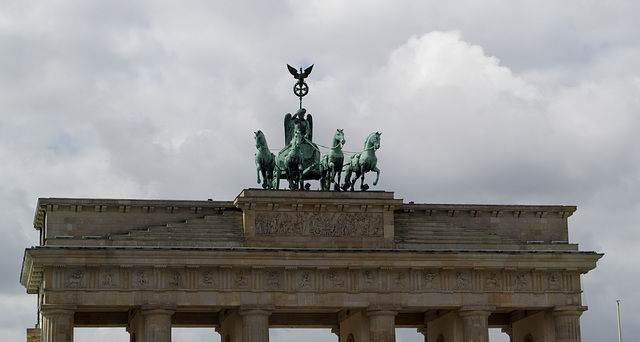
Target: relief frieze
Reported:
point(333, 279)
point(522, 282)
point(319, 224)
point(75, 279)
point(142, 279)
point(462, 281)
point(554, 281)
point(305, 281)
point(400, 281)
point(175, 278)
point(109, 279)
point(493, 281)
point(241, 280)
point(273, 279)
point(337, 280)
point(432, 280)
point(369, 279)
point(208, 278)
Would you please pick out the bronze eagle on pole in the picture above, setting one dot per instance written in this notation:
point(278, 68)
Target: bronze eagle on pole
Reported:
point(300, 88)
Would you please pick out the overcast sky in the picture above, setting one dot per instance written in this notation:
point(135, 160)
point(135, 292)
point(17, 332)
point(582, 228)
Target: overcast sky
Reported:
point(482, 102)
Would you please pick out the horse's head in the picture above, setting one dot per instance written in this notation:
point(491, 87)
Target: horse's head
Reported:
point(338, 138)
point(261, 140)
point(297, 139)
point(373, 141)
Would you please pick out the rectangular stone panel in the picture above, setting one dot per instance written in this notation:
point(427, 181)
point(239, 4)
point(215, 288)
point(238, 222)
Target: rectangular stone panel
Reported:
point(319, 224)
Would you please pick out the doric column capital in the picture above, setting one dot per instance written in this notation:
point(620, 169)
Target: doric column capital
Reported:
point(484, 311)
point(148, 309)
point(257, 309)
point(568, 310)
point(57, 309)
point(383, 310)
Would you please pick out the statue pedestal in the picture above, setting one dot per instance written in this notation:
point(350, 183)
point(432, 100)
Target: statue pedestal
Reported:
point(287, 219)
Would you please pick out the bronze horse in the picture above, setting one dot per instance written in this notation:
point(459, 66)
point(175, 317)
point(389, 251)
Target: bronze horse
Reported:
point(362, 163)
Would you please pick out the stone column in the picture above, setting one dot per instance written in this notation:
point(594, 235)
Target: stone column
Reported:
point(57, 322)
point(475, 323)
point(156, 324)
point(567, 321)
point(382, 323)
point(255, 322)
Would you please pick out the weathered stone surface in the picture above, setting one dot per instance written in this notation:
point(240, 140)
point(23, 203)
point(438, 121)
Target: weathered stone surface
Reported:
point(356, 262)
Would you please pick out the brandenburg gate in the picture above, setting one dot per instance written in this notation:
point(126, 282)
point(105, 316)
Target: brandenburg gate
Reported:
point(360, 263)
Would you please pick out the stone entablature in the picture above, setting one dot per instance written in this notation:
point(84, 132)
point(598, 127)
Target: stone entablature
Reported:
point(360, 263)
point(320, 271)
point(263, 218)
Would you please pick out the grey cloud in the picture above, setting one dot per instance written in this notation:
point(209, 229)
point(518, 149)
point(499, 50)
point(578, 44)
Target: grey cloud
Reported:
point(529, 103)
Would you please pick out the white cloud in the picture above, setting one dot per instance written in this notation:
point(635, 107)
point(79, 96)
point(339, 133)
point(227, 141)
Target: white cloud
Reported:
point(533, 102)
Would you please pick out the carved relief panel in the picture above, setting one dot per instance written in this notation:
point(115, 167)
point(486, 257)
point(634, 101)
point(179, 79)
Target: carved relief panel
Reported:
point(75, 278)
point(209, 278)
point(462, 280)
point(554, 281)
point(305, 280)
point(109, 278)
point(142, 278)
point(369, 279)
point(493, 281)
point(522, 281)
point(175, 278)
point(431, 280)
point(273, 280)
point(336, 280)
point(400, 280)
point(319, 224)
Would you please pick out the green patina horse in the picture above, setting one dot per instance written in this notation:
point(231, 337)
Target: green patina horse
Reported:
point(292, 163)
point(331, 163)
point(265, 161)
point(361, 163)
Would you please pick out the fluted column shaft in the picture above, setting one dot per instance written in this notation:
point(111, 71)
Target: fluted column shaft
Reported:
point(255, 323)
point(157, 325)
point(567, 322)
point(475, 324)
point(57, 323)
point(382, 325)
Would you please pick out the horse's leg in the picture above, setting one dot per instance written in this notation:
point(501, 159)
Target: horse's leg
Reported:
point(363, 172)
point(258, 171)
point(354, 180)
point(332, 174)
point(347, 176)
point(375, 168)
point(264, 179)
point(300, 177)
point(276, 180)
point(290, 178)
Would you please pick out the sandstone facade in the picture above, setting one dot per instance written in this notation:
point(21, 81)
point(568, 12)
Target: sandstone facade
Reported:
point(360, 263)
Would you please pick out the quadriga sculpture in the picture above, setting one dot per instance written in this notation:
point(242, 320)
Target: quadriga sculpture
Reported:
point(293, 163)
point(265, 161)
point(361, 163)
point(331, 163)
